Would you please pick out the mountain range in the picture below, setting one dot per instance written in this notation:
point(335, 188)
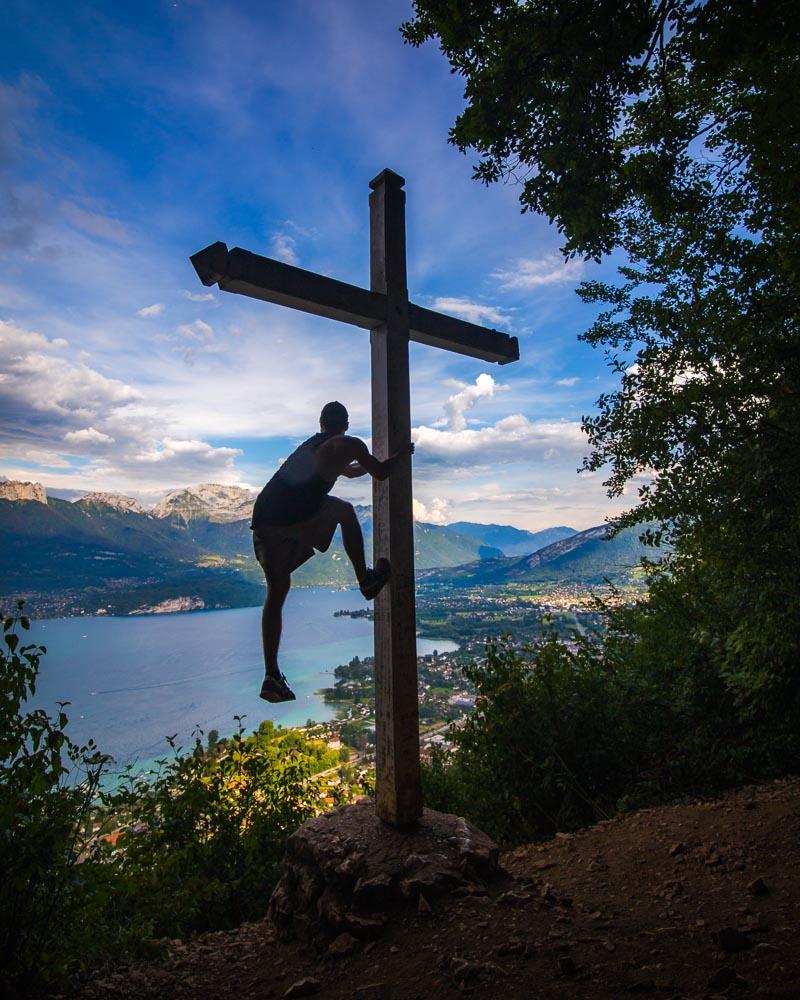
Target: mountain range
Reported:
point(106, 553)
point(511, 541)
point(585, 557)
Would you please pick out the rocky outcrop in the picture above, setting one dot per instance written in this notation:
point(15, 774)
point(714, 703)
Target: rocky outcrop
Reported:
point(207, 501)
point(344, 871)
point(117, 501)
point(13, 490)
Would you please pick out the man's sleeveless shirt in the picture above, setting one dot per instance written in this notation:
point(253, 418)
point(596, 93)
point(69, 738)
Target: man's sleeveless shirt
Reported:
point(296, 491)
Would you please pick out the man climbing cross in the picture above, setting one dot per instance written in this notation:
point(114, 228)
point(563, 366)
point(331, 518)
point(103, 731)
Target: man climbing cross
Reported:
point(294, 515)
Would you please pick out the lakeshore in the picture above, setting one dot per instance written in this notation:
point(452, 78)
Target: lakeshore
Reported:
point(133, 681)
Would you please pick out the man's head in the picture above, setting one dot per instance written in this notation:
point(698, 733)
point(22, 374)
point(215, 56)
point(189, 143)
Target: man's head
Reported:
point(334, 418)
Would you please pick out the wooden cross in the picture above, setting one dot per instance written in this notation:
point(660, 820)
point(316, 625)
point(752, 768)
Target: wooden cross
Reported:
point(392, 320)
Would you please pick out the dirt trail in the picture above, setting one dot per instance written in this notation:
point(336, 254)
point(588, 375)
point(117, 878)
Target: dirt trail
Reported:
point(699, 900)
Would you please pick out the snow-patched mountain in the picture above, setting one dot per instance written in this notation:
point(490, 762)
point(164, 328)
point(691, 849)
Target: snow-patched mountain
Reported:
point(207, 502)
point(11, 489)
point(117, 501)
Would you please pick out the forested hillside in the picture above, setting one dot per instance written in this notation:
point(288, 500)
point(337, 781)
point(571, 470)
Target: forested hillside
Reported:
point(512, 541)
point(587, 557)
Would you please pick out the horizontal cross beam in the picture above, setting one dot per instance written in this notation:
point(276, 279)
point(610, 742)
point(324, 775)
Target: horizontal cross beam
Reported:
point(259, 277)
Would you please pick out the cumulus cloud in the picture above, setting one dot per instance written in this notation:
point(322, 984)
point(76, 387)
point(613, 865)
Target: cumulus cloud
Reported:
point(568, 381)
point(54, 405)
point(88, 436)
point(148, 312)
point(459, 403)
point(171, 448)
point(473, 312)
point(526, 273)
point(50, 389)
point(434, 513)
point(198, 296)
point(513, 438)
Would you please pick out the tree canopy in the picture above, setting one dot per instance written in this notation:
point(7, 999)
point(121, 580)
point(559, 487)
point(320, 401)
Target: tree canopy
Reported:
point(669, 132)
point(598, 108)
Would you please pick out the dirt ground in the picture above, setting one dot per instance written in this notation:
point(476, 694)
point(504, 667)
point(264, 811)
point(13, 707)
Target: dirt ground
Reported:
point(698, 900)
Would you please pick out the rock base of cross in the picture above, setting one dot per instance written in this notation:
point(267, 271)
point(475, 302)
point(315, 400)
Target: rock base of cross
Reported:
point(346, 872)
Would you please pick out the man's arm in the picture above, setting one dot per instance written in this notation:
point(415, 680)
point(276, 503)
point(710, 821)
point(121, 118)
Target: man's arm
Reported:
point(374, 466)
point(353, 471)
point(341, 456)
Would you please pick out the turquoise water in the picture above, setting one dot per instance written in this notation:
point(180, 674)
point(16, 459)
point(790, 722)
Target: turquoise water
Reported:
point(133, 681)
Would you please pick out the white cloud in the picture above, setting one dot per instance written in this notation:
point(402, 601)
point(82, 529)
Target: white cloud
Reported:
point(49, 388)
point(533, 273)
point(198, 330)
point(458, 404)
point(514, 438)
point(201, 335)
point(148, 312)
point(165, 451)
point(568, 381)
point(435, 513)
point(53, 405)
point(198, 296)
point(284, 248)
point(473, 312)
point(88, 436)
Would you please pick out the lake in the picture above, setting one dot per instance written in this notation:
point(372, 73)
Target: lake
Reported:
point(133, 681)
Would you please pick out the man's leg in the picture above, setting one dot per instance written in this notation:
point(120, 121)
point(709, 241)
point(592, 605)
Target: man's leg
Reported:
point(370, 581)
point(353, 540)
point(272, 619)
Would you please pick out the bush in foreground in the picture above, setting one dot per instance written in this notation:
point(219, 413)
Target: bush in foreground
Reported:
point(565, 734)
point(92, 876)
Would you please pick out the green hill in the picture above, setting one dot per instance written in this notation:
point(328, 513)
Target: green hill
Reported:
point(66, 545)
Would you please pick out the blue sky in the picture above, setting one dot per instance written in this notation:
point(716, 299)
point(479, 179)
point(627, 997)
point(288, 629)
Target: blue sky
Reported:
point(132, 135)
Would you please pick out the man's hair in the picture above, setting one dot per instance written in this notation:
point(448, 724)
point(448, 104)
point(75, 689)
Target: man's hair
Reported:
point(334, 416)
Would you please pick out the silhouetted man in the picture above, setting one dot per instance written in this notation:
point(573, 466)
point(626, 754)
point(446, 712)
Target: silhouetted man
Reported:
point(294, 515)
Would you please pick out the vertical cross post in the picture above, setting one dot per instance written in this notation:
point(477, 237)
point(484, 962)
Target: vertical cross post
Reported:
point(398, 791)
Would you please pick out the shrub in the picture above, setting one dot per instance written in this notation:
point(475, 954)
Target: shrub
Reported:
point(44, 937)
point(565, 734)
point(91, 876)
point(547, 747)
point(203, 837)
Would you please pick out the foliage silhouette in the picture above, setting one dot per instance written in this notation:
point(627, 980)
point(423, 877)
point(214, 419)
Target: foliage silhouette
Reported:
point(670, 133)
point(92, 875)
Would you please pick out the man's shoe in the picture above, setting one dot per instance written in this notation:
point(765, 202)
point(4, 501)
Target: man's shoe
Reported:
point(374, 579)
point(276, 689)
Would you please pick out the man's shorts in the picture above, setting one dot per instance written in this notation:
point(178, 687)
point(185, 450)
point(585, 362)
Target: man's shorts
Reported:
point(281, 548)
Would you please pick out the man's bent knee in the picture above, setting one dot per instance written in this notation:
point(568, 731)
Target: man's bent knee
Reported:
point(344, 511)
